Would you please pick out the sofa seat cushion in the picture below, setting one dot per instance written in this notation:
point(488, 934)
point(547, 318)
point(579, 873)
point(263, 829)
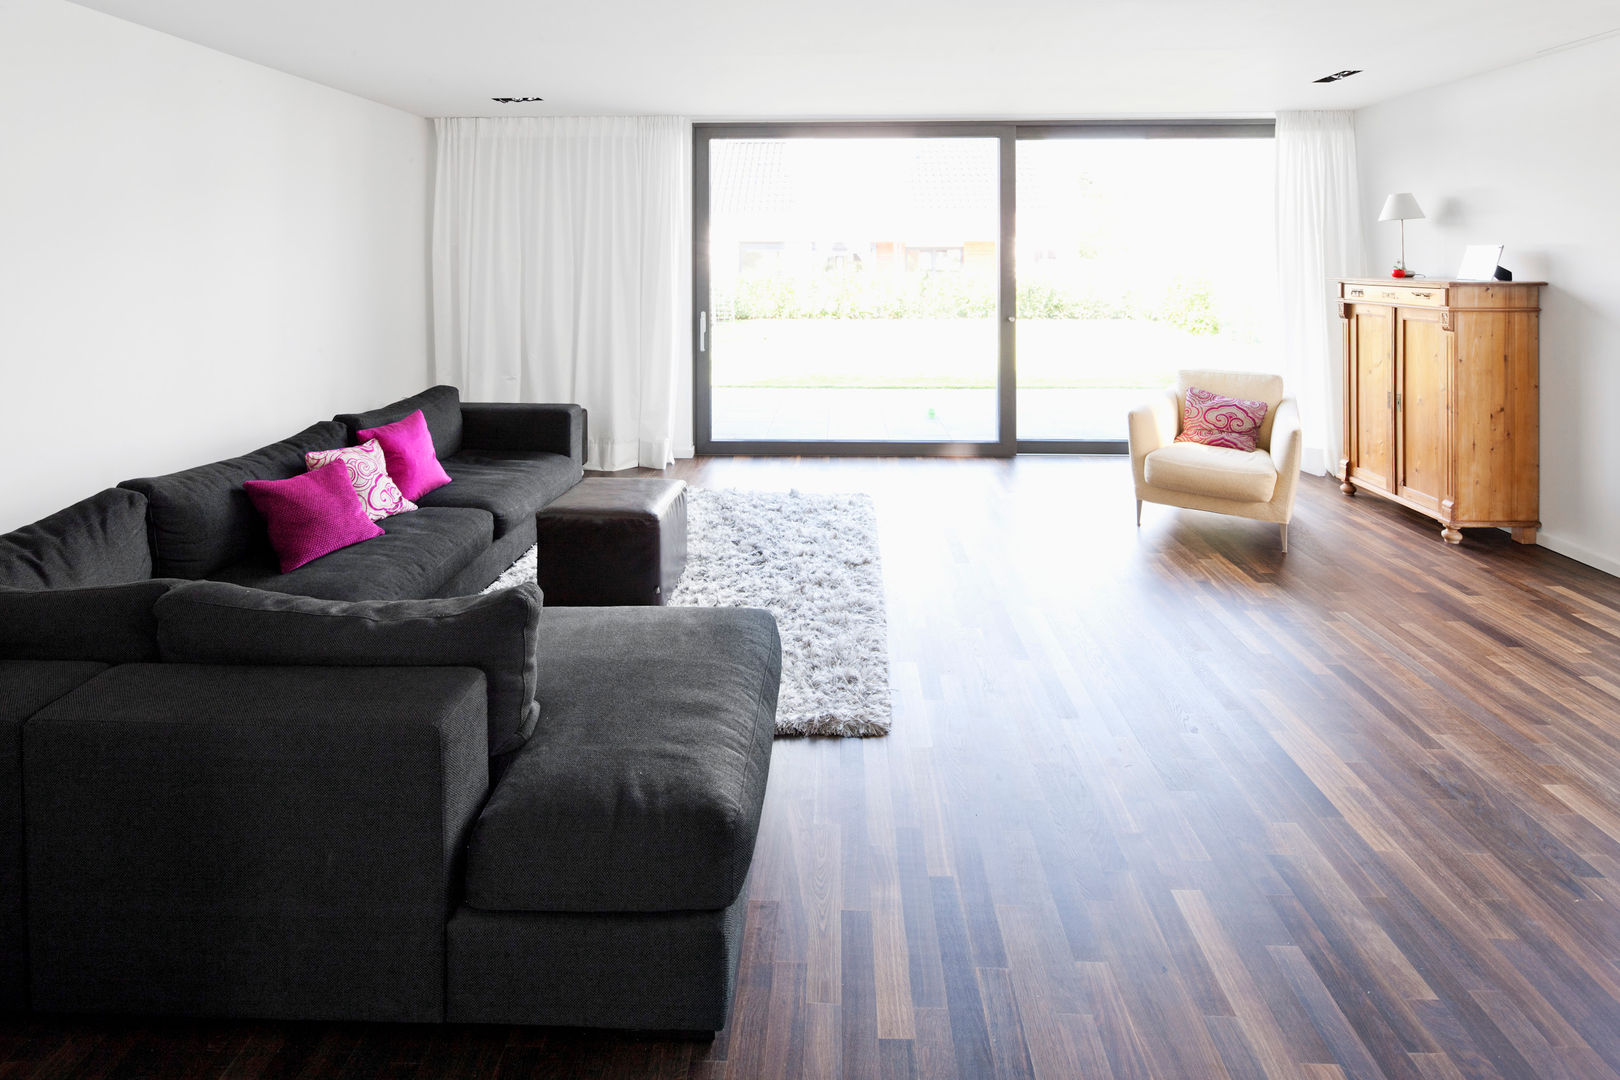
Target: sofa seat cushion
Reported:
point(1216, 471)
point(26, 687)
point(511, 484)
point(641, 787)
point(415, 557)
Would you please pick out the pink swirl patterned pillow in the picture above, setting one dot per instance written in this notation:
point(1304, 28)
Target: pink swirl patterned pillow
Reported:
point(368, 472)
point(1215, 420)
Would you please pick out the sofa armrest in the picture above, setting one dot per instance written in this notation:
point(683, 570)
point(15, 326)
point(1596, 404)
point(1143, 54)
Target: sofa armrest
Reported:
point(1287, 451)
point(557, 429)
point(251, 841)
point(1153, 424)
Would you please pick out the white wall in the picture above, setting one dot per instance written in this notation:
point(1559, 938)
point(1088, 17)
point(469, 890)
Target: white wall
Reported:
point(1527, 156)
point(198, 255)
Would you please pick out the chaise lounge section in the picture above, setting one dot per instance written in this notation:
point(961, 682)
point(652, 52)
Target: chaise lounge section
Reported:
point(650, 774)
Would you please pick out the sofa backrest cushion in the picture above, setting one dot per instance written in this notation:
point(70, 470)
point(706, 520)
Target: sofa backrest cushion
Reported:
point(209, 622)
point(441, 408)
point(98, 541)
point(200, 519)
point(112, 624)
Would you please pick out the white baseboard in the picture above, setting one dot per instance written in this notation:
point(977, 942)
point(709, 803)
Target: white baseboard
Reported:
point(1604, 563)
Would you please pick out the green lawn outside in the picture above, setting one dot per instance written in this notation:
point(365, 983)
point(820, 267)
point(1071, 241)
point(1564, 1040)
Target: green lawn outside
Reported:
point(957, 353)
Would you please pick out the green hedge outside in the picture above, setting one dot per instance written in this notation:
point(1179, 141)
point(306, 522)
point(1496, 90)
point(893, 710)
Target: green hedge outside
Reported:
point(1188, 305)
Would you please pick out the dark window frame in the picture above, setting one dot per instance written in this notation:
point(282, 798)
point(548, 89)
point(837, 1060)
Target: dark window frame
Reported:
point(1008, 133)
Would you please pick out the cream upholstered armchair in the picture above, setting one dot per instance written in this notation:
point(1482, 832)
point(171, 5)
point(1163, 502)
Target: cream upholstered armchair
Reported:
point(1255, 484)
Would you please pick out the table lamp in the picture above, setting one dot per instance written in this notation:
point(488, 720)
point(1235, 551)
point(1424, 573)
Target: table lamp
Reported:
point(1399, 207)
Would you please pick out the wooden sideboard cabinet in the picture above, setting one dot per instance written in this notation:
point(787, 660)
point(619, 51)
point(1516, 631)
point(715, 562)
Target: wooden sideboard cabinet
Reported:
point(1441, 399)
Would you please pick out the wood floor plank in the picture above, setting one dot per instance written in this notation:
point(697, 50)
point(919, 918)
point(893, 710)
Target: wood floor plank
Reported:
point(891, 951)
point(1121, 1042)
point(1008, 1046)
point(1238, 986)
point(970, 1035)
point(1036, 996)
point(858, 1021)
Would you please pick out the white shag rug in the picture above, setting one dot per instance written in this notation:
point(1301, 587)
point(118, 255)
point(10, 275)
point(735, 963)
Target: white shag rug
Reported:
point(812, 561)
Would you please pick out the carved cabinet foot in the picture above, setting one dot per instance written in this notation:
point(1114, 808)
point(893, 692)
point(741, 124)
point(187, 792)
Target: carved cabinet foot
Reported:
point(1451, 535)
point(1348, 488)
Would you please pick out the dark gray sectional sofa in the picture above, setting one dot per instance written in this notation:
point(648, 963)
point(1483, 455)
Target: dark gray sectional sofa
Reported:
point(357, 790)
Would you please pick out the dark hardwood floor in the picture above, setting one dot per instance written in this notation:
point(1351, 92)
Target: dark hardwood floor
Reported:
point(1158, 803)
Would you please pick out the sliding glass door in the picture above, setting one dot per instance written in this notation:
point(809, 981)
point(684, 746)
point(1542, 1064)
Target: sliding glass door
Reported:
point(858, 288)
point(853, 288)
point(1137, 257)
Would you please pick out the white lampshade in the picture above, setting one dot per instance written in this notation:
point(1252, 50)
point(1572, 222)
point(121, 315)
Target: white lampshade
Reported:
point(1400, 207)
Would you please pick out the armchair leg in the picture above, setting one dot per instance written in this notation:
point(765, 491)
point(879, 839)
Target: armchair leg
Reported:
point(1285, 538)
point(1138, 513)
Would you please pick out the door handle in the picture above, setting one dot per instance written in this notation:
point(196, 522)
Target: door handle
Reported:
point(703, 331)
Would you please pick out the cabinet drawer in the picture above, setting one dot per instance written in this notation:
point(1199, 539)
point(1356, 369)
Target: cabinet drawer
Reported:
point(1403, 295)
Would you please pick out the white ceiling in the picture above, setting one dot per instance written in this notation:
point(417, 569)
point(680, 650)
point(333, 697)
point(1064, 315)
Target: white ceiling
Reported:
point(1019, 59)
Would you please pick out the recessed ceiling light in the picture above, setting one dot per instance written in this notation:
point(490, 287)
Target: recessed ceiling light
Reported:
point(1337, 75)
point(515, 100)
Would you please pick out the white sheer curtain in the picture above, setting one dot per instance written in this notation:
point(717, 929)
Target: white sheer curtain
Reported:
point(1318, 240)
point(562, 270)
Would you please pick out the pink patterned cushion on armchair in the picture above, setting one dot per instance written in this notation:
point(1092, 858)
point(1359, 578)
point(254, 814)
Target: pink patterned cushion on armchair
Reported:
point(1215, 420)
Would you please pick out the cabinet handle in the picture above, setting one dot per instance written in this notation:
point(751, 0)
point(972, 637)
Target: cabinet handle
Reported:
point(1357, 292)
point(1398, 401)
point(1425, 295)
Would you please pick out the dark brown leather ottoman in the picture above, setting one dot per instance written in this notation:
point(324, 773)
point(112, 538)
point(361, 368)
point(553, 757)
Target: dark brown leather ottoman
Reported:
point(607, 542)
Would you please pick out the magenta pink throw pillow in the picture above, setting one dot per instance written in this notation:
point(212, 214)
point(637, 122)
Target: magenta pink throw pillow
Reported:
point(368, 472)
point(408, 448)
point(1216, 420)
point(311, 515)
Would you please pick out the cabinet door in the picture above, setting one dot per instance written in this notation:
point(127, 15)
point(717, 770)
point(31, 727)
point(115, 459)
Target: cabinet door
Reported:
point(1372, 375)
point(1421, 408)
